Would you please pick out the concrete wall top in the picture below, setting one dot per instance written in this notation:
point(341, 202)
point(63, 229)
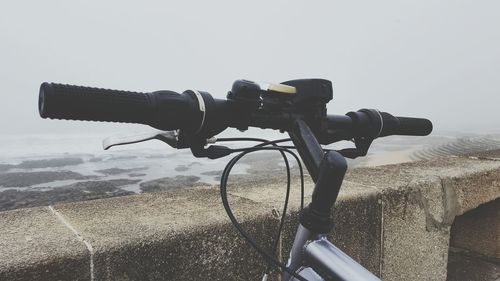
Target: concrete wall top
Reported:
point(160, 234)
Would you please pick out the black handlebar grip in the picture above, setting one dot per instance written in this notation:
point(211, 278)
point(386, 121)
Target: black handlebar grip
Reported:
point(406, 126)
point(164, 110)
point(413, 126)
point(61, 101)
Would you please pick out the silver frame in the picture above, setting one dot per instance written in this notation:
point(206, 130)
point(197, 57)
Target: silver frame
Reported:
point(315, 258)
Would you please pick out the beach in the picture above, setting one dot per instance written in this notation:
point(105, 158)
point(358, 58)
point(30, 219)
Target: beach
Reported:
point(43, 170)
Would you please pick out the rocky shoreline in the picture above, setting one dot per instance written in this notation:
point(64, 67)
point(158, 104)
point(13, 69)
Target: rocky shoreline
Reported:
point(65, 179)
point(70, 178)
point(76, 177)
point(25, 179)
point(79, 191)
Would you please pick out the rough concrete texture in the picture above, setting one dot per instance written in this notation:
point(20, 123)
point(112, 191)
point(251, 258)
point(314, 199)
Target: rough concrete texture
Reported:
point(414, 246)
point(394, 219)
point(187, 236)
point(471, 181)
point(34, 245)
point(358, 230)
point(421, 200)
point(489, 154)
point(168, 236)
point(479, 230)
point(464, 266)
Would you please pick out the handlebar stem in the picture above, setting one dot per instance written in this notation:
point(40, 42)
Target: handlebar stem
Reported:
point(308, 147)
point(327, 171)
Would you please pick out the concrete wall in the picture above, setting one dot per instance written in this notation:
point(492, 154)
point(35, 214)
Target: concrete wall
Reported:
point(394, 219)
point(475, 244)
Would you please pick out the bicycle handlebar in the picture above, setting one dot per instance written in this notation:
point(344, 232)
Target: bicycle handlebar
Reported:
point(189, 111)
point(373, 123)
point(410, 126)
point(165, 110)
point(298, 108)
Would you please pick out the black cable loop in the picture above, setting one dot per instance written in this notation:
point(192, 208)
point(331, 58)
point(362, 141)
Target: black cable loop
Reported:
point(287, 196)
point(223, 189)
point(257, 147)
point(267, 142)
point(245, 151)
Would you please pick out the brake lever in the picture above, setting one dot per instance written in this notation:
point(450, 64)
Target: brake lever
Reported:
point(168, 137)
point(362, 146)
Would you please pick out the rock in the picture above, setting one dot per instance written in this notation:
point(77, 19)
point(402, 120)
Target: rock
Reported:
point(23, 179)
point(169, 183)
point(80, 191)
point(133, 175)
point(6, 167)
point(95, 185)
point(116, 171)
point(48, 163)
point(181, 168)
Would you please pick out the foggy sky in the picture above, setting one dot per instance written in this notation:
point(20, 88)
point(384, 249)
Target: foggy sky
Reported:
point(434, 59)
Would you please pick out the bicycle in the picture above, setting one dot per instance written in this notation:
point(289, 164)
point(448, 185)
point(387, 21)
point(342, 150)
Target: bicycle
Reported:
point(298, 107)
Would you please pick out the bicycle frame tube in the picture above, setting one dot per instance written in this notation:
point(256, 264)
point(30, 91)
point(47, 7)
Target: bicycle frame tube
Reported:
point(333, 264)
point(316, 259)
point(295, 261)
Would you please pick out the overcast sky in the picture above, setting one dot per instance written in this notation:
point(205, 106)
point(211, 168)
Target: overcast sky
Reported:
point(434, 59)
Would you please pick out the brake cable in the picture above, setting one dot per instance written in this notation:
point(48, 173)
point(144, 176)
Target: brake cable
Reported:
point(274, 142)
point(271, 260)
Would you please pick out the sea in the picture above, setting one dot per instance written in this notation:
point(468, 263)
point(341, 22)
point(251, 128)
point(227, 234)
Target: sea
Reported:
point(154, 159)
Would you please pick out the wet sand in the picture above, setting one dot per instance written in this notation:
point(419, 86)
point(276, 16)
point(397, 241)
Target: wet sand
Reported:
point(393, 157)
